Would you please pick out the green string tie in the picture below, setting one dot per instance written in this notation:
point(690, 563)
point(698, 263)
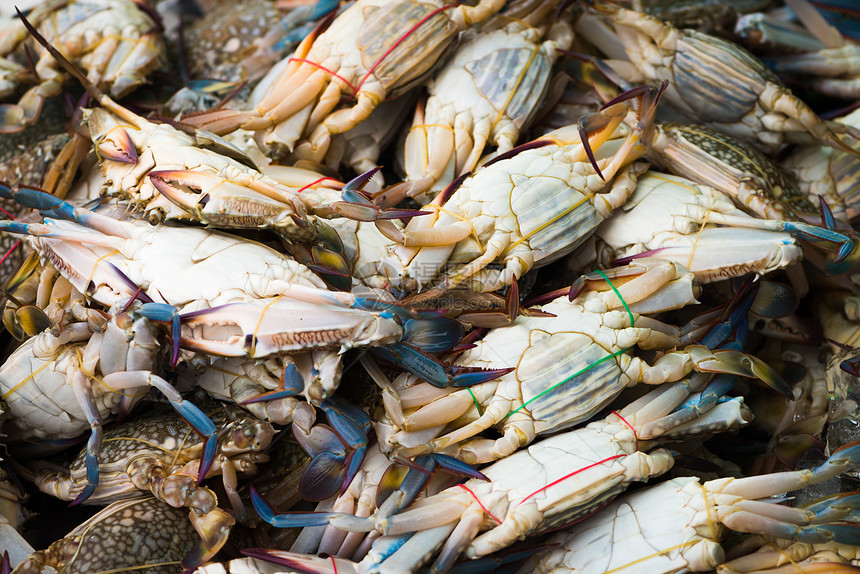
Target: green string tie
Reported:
point(592, 365)
point(475, 400)
point(623, 302)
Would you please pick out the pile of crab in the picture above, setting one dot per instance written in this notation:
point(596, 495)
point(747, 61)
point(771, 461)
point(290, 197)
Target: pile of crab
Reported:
point(605, 249)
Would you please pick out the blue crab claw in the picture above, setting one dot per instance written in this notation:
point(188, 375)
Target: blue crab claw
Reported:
point(835, 508)
point(845, 458)
point(846, 242)
point(168, 314)
point(824, 533)
point(303, 519)
point(693, 406)
point(204, 427)
point(846, 259)
point(320, 564)
point(92, 460)
point(359, 206)
point(51, 206)
point(431, 370)
point(714, 328)
point(6, 566)
point(324, 476)
point(420, 471)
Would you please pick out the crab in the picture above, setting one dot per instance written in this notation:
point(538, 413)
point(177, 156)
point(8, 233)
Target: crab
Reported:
point(550, 387)
point(161, 454)
point(58, 386)
point(527, 209)
point(714, 82)
point(140, 158)
point(754, 181)
point(115, 40)
point(829, 173)
point(832, 66)
point(698, 227)
point(676, 526)
point(550, 483)
point(486, 94)
point(355, 56)
point(158, 532)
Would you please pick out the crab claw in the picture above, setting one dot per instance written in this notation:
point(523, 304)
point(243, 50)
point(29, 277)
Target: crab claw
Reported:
point(189, 189)
point(196, 418)
point(302, 519)
point(112, 141)
point(420, 471)
point(168, 314)
point(434, 372)
point(436, 335)
point(17, 117)
point(353, 426)
point(92, 465)
point(321, 564)
point(358, 205)
point(835, 508)
point(845, 458)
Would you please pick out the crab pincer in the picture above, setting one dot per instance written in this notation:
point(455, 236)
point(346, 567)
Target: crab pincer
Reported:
point(416, 477)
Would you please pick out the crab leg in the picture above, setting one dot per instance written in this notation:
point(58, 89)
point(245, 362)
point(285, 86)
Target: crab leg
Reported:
point(81, 386)
point(193, 415)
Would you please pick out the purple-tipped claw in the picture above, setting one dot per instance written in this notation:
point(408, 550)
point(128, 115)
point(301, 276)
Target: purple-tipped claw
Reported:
point(320, 564)
point(827, 218)
point(576, 288)
point(521, 148)
point(469, 376)
point(583, 137)
point(84, 495)
point(850, 367)
point(357, 183)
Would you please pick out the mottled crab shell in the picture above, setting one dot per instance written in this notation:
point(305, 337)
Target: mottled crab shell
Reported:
point(707, 156)
point(125, 536)
point(167, 437)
